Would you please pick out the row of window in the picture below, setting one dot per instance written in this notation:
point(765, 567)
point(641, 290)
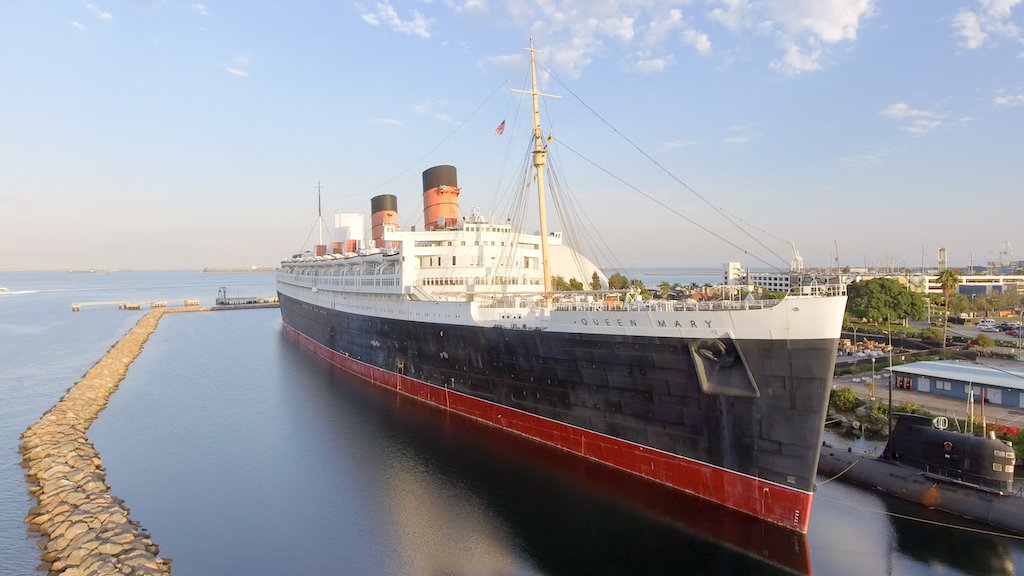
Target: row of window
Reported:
point(360, 282)
point(498, 280)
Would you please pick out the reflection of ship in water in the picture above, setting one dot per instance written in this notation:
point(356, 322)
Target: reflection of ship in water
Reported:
point(568, 516)
point(966, 551)
point(436, 538)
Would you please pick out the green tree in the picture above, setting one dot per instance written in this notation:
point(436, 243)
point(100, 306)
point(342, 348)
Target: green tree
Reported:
point(559, 283)
point(618, 282)
point(985, 304)
point(985, 341)
point(575, 284)
point(665, 289)
point(883, 299)
point(959, 304)
point(949, 279)
point(595, 281)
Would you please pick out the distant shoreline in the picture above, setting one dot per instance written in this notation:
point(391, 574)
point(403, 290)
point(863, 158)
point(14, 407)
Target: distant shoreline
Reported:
point(250, 270)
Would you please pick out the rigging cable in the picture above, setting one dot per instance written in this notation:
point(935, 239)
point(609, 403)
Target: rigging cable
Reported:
point(720, 210)
point(670, 209)
point(432, 150)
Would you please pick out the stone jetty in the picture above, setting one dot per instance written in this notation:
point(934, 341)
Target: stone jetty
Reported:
point(84, 529)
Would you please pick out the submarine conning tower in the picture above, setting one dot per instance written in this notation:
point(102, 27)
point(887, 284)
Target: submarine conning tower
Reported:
point(440, 197)
point(383, 212)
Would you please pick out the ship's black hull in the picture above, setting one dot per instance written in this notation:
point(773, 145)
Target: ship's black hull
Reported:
point(642, 390)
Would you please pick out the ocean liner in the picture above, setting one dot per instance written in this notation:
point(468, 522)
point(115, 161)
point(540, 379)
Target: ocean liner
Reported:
point(722, 399)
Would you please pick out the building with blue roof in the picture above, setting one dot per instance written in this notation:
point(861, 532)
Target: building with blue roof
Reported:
point(955, 379)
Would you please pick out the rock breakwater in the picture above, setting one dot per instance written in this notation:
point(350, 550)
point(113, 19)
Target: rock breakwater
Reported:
point(84, 529)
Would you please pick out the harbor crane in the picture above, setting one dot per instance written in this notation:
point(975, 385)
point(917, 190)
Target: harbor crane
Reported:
point(796, 262)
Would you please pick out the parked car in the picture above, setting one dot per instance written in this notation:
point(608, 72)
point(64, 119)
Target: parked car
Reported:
point(988, 328)
point(1013, 332)
point(1015, 325)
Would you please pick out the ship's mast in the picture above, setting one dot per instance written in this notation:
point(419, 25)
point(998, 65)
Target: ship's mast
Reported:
point(539, 160)
point(319, 215)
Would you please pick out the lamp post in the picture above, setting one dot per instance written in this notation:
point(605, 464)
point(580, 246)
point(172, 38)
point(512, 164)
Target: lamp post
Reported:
point(871, 389)
point(1020, 334)
point(890, 375)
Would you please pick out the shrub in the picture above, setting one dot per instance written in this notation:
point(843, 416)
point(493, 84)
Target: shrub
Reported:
point(984, 341)
point(933, 335)
point(843, 399)
point(879, 414)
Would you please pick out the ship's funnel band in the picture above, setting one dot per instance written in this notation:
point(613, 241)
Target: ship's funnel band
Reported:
point(440, 197)
point(384, 212)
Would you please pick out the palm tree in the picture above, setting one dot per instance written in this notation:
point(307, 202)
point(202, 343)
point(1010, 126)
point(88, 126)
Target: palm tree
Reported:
point(949, 279)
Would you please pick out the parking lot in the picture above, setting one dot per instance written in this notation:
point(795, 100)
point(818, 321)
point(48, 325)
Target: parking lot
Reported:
point(969, 332)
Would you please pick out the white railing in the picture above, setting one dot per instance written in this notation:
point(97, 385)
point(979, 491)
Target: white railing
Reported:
point(817, 291)
point(666, 306)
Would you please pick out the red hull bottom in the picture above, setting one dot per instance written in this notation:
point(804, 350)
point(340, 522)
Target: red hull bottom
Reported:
point(768, 501)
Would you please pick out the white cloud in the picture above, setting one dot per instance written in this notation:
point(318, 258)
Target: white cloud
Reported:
point(679, 143)
point(921, 126)
point(744, 134)
point(391, 121)
point(1009, 100)
point(652, 65)
point(864, 159)
point(510, 61)
point(698, 40)
point(200, 9)
point(992, 17)
point(432, 108)
point(734, 14)
point(418, 25)
point(572, 33)
point(99, 13)
point(620, 27)
point(902, 110)
point(78, 26)
point(659, 28)
point(237, 72)
point(970, 28)
point(804, 29)
point(795, 61)
point(924, 120)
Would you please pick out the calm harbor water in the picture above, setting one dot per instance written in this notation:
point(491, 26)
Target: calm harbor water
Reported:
point(245, 454)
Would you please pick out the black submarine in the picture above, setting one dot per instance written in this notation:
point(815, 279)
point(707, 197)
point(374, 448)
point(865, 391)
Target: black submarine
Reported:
point(966, 475)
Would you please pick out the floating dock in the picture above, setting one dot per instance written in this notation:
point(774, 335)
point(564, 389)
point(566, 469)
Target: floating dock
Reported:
point(223, 302)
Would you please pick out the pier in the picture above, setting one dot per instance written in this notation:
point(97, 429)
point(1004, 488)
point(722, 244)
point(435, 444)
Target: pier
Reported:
point(222, 303)
point(83, 528)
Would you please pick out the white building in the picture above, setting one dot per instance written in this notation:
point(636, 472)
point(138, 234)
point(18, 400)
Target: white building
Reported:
point(349, 226)
point(971, 285)
point(734, 275)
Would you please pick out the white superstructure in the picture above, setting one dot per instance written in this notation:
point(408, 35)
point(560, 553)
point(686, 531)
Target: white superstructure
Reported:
point(349, 226)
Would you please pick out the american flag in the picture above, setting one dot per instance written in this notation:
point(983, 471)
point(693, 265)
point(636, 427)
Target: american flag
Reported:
point(500, 129)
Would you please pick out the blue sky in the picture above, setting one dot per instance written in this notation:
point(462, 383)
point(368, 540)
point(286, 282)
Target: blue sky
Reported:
point(159, 134)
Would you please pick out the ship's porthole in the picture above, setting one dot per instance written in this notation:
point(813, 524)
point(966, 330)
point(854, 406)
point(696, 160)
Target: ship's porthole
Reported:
point(795, 309)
